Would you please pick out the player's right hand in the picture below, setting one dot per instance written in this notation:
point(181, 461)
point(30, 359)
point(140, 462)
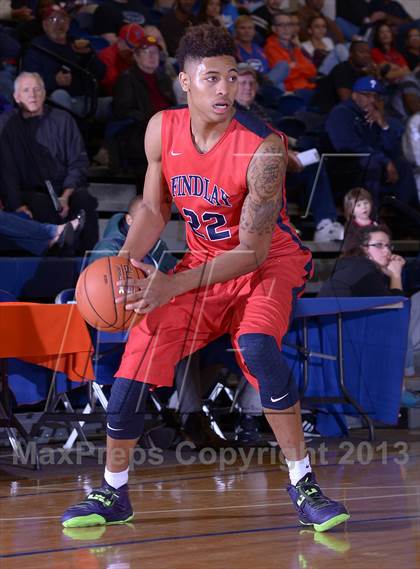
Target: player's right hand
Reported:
point(154, 290)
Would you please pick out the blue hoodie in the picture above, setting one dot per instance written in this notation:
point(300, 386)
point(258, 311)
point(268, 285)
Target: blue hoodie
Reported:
point(114, 238)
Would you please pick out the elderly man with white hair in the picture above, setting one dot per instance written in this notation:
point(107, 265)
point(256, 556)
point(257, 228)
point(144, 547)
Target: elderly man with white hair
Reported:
point(43, 161)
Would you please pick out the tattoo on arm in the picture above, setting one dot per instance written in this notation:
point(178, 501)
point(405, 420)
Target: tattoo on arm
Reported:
point(265, 184)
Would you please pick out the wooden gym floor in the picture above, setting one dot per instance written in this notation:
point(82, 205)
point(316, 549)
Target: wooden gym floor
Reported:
point(193, 516)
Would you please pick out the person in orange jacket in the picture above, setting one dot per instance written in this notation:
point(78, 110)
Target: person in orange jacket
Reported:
point(279, 47)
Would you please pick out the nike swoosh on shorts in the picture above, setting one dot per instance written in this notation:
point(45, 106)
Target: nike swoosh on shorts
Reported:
point(112, 428)
point(274, 400)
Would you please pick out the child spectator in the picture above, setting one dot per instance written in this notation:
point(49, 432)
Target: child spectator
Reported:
point(358, 212)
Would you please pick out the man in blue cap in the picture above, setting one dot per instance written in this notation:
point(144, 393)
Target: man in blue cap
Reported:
point(359, 125)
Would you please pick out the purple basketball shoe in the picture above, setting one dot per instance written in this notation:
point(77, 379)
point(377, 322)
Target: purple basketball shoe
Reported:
point(103, 506)
point(313, 507)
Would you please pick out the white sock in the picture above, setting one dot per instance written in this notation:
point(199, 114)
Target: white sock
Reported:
point(116, 479)
point(298, 469)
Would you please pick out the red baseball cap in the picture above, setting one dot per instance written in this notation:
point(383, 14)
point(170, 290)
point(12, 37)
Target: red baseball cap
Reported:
point(131, 34)
point(148, 41)
point(53, 10)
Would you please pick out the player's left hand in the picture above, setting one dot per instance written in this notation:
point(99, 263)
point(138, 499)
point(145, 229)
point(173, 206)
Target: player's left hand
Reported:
point(152, 291)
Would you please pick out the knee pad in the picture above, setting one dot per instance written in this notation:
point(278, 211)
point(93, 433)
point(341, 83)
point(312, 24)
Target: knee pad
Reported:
point(126, 409)
point(266, 363)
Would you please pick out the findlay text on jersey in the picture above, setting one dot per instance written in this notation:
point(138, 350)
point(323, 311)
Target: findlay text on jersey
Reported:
point(194, 185)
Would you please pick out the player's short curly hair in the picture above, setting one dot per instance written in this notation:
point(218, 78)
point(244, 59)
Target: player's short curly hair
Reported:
point(204, 41)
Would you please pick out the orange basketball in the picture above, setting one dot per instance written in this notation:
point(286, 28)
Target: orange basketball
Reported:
point(96, 291)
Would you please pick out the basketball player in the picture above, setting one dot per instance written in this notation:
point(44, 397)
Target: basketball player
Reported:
point(225, 172)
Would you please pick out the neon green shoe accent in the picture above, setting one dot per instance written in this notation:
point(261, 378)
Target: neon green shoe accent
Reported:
point(121, 522)
point(91, 533)
point(92, 520)
point(341, 518)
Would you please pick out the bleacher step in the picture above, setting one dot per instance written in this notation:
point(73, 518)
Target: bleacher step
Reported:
point(112, 197)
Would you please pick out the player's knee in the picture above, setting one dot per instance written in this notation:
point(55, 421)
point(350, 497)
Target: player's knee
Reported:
point(126, 408)
point(266, 363)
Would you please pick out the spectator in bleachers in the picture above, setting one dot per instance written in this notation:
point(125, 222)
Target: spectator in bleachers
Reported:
point(392, 65)
point(279, 47)
point(168, 64)
point(321, 50)
point(111, 15)
point(114, 237)
point(323, 207)
point(140, 93)
point(312, 9)
point(403, 88)
point(68, 68)
point(247, 91)
point(367, 269)
point(359, 125)
point(370, 268)
point(24, 234)
point(359, 211)
point(263, 18)
point(26, 31)
point(40, 144)
point(354, 17)
point(411, 50)
point(210, 12)
point(337, 86)
point(345, 74)
point(248, 49)
point(118, 57)
point(318, 45)
point(253, 55)
point(174, 23)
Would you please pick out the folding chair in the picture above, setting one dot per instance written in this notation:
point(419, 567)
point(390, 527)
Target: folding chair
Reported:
point(8, 420)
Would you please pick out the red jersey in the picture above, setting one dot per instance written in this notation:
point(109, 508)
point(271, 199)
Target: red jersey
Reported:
point(209, 189)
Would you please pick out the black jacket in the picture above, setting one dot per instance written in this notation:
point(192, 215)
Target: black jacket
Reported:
point(132, 98)
point(44, 57)
point(132, 101)
point(357, 276)
point(349, 131)
point(48, 147)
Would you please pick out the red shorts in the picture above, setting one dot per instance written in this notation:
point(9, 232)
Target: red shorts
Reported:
point(258, 302)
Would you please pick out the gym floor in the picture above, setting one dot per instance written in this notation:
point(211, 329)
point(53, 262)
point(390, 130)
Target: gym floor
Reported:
point(214, 510)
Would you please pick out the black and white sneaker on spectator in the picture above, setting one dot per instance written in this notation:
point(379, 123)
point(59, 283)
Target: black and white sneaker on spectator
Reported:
point(309, 425)
point(247, 430)
point(198, 430)
point(328, 230)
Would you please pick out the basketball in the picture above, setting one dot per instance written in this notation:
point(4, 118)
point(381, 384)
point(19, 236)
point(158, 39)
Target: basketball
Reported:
point(96, 291)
